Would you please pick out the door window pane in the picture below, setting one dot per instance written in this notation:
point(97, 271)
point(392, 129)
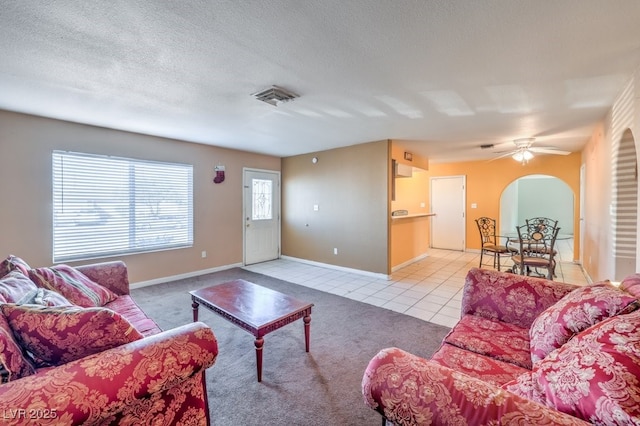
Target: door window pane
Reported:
point(262, 199)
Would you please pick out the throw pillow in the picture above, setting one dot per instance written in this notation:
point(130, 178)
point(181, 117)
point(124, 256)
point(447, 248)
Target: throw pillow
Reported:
point(596, 375)
point(14, 286)
point(44, 297)
point(578, 310)
point(57, 335)
point(11, 263)
point(12, 360)
point(73, 285)
point(631, 284)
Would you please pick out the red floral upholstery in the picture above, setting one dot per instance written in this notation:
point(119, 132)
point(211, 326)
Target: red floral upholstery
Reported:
point(501, 340)
point(155, 381)
point(111, 275)
point(73, 285)
point(408, 390)
point(13, 361)
point(478, 375)
point(129, 309)
point(483, 367)
point(578, 310)
point(57, 335)
point(516, 299)
point(596, 375)
point(14, 286)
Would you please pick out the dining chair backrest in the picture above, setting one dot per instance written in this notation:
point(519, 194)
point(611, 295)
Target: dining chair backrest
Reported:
point(543, 225)
point(487, 228)
point(536, 241)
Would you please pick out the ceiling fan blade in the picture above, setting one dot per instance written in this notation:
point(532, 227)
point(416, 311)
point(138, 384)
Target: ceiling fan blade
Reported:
point(543, 150)
point(507, 154)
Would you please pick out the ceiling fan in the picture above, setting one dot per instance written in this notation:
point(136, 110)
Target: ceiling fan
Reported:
point(524, 150)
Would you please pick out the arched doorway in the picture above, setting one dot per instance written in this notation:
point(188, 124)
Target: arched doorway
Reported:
point(625, 219)
point(540, 196)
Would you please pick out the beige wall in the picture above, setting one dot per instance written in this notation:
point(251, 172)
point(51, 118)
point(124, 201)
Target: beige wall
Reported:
point(26, 143)
point(350, 186)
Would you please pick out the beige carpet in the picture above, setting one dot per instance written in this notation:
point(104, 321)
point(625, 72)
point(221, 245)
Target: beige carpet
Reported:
point(321, 387)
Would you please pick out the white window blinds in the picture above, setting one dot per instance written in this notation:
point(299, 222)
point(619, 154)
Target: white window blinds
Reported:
point(109, 206)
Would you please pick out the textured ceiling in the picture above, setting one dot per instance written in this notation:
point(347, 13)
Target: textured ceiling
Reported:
point(443, 76)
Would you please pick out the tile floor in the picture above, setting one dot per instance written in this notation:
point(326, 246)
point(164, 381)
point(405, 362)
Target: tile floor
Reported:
point(430, 289)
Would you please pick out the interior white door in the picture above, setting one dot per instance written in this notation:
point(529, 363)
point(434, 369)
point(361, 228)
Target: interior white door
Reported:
point(448, 205)
point(261, 207)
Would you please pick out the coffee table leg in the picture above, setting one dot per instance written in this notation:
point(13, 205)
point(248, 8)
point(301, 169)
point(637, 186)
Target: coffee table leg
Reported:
point(195, 305)
point(307, 329)
point(259, 343)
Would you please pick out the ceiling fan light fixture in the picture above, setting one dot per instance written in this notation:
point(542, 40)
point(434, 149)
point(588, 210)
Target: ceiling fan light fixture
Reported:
point(522, 156)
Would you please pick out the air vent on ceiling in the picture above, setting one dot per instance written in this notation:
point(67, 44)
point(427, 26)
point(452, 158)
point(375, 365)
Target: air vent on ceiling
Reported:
point(486, 146)
point(275, 95)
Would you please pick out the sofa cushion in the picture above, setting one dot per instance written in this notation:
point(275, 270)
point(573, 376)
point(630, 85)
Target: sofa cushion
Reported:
point(57, 335)
point(580, 309)
point(14, 286)
point(11, 263)
point(483, 367)
point(497, 339)
point(596, 375)
point(13, 362)
point(129, 309)
point(73, 285)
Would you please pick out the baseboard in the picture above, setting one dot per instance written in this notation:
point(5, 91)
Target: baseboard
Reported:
point(339, 268)
point(183, 276)
point(409, 262)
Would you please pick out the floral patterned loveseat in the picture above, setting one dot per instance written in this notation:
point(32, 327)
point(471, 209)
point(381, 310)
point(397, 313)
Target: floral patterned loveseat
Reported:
point(76, 349)
point(525, 351)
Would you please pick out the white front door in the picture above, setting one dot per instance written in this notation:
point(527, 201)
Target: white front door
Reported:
point(261, 207)
point(448, 205)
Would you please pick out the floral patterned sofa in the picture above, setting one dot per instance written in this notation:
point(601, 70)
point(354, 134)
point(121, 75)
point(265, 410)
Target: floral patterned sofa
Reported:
point(525, 351)
point(76, 349)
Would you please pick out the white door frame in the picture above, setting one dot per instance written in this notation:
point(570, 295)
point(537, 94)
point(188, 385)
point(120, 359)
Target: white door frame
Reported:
point(245, 188)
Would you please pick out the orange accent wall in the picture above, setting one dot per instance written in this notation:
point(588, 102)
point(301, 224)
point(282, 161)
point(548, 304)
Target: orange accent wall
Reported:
point(486, 180)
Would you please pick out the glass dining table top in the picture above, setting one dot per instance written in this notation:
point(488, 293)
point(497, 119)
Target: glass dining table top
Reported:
point(514, 236)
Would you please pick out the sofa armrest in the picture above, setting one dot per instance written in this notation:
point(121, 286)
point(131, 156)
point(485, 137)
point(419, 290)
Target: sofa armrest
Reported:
point(112, 275)
point(103, 386)
point(511, 298)
point(409, 390)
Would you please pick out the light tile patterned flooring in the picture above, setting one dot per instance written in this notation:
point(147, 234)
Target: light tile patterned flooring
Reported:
point(430, 289)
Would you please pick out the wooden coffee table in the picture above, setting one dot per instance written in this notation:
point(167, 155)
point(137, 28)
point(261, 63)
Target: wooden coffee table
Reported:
point(253, 308)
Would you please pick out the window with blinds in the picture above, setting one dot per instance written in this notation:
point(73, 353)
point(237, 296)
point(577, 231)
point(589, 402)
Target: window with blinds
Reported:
point(109, 206)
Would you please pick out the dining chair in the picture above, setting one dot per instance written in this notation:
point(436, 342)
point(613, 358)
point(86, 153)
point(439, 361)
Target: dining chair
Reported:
point(546, 226)
point(489, 239)
point(536, 250)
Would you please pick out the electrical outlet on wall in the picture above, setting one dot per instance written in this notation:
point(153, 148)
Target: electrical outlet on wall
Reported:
point(204, 254)
point(335, 250)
